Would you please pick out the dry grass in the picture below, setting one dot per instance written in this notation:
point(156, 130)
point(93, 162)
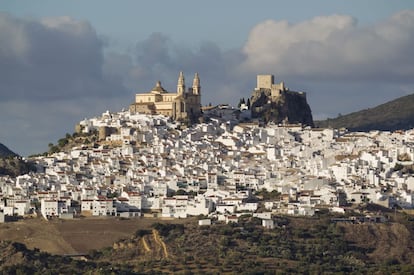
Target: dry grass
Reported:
point(73, 236)
point(386, 241)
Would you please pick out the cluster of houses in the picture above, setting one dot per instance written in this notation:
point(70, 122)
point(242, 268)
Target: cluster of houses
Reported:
point(149, 165)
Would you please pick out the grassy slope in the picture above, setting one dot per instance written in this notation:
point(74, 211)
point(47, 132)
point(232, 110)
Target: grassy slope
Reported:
point(393, 115)
point(297, 245)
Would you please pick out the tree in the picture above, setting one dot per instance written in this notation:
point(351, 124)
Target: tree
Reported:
point(54, 149)
point(62, 142)
point(248, 103)
point(241, 101)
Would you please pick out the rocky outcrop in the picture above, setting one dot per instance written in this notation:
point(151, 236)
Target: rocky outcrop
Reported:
point(288, 107)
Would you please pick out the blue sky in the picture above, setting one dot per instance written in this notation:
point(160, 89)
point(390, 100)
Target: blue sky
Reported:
point(224, 22)
point(61, 61)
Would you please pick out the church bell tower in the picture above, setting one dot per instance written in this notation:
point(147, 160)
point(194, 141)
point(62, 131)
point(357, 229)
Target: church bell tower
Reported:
point(196, 84)
point(181, 84)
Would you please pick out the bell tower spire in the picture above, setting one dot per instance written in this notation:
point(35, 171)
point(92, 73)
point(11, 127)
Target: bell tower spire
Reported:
point(181, 84)
point(196, 84)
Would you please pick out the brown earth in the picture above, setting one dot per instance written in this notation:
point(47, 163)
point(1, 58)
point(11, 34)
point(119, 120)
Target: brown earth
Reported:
point(383, 241)
point(73, 236)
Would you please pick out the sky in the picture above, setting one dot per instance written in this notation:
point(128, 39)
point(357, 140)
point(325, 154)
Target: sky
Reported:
point(63, 61)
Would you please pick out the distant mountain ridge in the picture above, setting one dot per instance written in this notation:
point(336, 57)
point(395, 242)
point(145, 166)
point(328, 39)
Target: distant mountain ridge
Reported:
point(397, 114)
point(6, 152)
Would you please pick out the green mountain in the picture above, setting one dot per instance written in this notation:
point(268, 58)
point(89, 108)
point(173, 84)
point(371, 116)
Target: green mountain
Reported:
point(397, 114)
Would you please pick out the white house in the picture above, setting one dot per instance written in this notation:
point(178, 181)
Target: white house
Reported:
point(52, 208)
point(103, 207)
point(204, 222)
point(86, 205)
point(199, 206)
point(268, 223)
point(226, 208)
point(22, 207)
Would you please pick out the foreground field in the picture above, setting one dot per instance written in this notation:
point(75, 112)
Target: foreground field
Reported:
point(297, 245)
point(77, 236)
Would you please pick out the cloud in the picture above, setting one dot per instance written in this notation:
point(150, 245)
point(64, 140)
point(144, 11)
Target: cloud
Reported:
point(51, 59)
point(334, 48)
point(159, 58)
point(331, 49)
point(56, 71)
point(52, 76)
point(154, 51)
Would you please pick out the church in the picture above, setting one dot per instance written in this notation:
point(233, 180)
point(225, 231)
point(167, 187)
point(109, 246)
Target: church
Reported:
point(180, 105)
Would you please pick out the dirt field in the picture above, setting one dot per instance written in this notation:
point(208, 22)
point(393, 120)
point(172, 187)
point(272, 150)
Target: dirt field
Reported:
point(73, 236)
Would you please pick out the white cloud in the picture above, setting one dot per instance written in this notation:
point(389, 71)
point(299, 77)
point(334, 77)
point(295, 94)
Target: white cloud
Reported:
point(334, 47)
point(67, 24)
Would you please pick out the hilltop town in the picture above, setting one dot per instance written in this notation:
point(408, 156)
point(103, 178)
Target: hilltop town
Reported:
point(149, 164)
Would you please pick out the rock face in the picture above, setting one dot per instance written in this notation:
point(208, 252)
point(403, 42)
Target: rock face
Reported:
point(285, 106)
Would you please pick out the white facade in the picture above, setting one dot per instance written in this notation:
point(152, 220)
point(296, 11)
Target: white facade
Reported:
point(103, 207)
point(53, 208)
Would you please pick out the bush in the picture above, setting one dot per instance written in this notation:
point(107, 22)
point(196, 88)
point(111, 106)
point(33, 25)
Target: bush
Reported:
point(169, 229)
point(142, 232)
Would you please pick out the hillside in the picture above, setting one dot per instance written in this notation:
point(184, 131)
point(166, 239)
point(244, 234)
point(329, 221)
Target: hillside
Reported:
point(6, 152)
point(394, 115)
point(16, 258)
point(15, 166)
point(297, 245)
point(12, 164)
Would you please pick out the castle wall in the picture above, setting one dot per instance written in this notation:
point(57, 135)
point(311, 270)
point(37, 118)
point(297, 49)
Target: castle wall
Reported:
point(265, 81)
point(275, 102)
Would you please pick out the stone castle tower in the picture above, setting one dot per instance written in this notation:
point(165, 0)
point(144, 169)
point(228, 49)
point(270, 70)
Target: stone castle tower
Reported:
point(277, 103)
